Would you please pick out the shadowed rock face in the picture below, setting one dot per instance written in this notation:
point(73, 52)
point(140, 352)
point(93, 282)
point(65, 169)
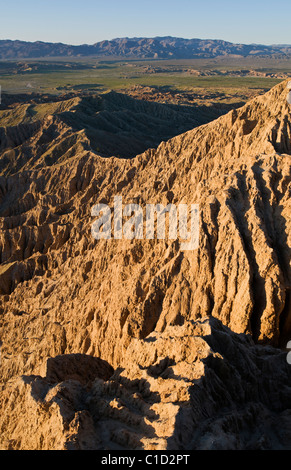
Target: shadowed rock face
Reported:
point(197, 386)
point(193, 336)
point(39, 134)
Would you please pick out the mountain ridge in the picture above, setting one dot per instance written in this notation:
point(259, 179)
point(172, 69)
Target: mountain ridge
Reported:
point(140, 47)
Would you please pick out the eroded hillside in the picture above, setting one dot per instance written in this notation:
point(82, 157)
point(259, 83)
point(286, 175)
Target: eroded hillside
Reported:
point(187, 344)
point(36, 134)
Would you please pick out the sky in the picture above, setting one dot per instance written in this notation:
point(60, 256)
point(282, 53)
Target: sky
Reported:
point(90, 21)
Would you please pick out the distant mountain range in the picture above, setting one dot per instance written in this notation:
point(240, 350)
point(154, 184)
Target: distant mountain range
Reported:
point(141, 48)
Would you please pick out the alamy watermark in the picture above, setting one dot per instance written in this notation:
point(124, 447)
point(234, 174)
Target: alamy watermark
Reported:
point(141, 222)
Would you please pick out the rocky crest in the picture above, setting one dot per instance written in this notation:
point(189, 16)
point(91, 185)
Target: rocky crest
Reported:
point(134, 343)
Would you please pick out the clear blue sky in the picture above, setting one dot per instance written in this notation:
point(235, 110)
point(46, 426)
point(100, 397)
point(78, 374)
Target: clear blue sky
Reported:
point(90, 21)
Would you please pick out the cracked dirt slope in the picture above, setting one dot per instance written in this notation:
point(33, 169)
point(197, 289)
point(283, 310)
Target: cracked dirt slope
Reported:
point(186, 344)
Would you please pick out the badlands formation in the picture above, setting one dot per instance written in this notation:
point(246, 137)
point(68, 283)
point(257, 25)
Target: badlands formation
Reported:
point(135, 344)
